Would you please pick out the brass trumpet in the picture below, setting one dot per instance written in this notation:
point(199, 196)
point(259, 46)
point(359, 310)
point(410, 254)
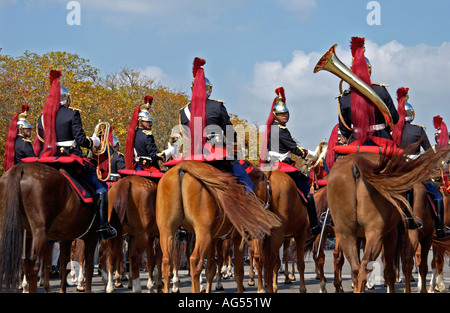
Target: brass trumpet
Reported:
point(101, 131)
point(331, 63)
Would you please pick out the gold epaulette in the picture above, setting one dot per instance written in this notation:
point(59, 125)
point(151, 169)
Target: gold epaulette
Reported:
point(380, 84)
point(281, 126)
point(147, 132)
point(420, 126)
point(217, 100)
point(75, 109)
point(27, 140)
point(182, 108)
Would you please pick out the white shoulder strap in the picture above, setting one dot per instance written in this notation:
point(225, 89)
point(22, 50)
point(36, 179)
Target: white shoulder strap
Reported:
point(187, 112)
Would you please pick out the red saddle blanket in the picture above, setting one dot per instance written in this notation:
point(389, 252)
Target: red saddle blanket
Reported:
point(84, 191)
point(284, 167)
point(383, 146)
point(149, 174)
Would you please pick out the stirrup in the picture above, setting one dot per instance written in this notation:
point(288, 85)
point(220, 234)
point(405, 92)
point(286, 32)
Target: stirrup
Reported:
point(107, 233)
point(412, 224)
point(442, 233)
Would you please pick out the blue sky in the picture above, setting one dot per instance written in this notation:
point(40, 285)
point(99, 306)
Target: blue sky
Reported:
point(251, 48)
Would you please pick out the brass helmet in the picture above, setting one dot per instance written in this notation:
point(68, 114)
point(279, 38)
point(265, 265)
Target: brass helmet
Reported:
point(65, 96)
point(208, 86)
point(144, 110)
point(280, 103)
point(22, 121)
point(410, 114)
point(144, 114)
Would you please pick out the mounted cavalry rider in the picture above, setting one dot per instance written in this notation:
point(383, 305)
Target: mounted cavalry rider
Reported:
point(358, 117)
point(141, 150)
point(210, 115)
point(278, 145)
point(62, 132)
point(405, 134)
point(18, 142)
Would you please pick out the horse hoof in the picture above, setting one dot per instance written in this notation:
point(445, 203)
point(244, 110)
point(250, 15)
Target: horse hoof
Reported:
point(287, 281)
point(251, 282)
point(219, 288)
point(80, 289)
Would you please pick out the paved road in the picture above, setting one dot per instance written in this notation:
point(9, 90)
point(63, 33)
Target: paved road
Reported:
point(311, 283)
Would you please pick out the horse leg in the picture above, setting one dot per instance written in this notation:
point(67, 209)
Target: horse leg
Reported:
point(38, 249)
point(285, 248)
point(150, 264)
point(166, 240)
point(351, 251)
point(439, 266)
point(137, 247)
point(202, 246)
point(389, 244)
point(46, 264)
point(238, 264)
point(320, 262)
point(425, 246)
point(211, 268)
point(64, 259)
point(220, 261)
point(338, 260)
point(251, 274)
point(112, 250)
point(300, 243)
point(410, 241)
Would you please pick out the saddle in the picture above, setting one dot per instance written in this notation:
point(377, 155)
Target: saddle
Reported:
point(69, 166)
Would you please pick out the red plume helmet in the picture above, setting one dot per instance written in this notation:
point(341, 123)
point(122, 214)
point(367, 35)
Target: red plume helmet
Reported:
point(198, 107)
point(363, 111)
point(129, 149)
point(397, 130)
point(443, 135)
point(11, 140)
point(51, 108)
point(263, 154)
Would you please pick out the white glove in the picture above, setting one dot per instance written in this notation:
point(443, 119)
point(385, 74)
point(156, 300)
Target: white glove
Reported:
point(312, 155)
point(95, 141)
point(169, 151)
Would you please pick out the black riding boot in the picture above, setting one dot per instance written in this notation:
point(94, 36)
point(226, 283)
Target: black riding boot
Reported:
point(439, 220)
point(410, 222)
point(105, 231)
point(314, 224)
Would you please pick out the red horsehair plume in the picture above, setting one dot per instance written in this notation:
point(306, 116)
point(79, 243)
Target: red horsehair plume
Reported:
point(25, 108)
point(280, 92)
point(355, 43)
point(197, 64)
point(397, 130)
point(437, 121)
point(148, 99)
point(54, 74)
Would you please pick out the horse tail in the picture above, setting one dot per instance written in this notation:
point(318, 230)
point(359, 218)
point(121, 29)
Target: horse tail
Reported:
point(11, 235)
point(178, 253)
point(243, 209)
point(393, 176)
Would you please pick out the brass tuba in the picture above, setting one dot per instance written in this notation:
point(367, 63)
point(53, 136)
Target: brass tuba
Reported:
point(331, 63)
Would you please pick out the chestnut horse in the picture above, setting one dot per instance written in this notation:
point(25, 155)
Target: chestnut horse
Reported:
point(209, 203)
point(131, 210)
point(366, 195)
point(37, 199)
point(285, 202)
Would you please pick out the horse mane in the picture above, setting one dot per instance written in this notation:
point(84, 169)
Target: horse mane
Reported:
point(243, 209)
point(393, 175)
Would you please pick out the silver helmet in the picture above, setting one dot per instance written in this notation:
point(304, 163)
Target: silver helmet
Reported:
point(65, 96)
point(22, 121)
point(145, 116)
point(409, 113)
